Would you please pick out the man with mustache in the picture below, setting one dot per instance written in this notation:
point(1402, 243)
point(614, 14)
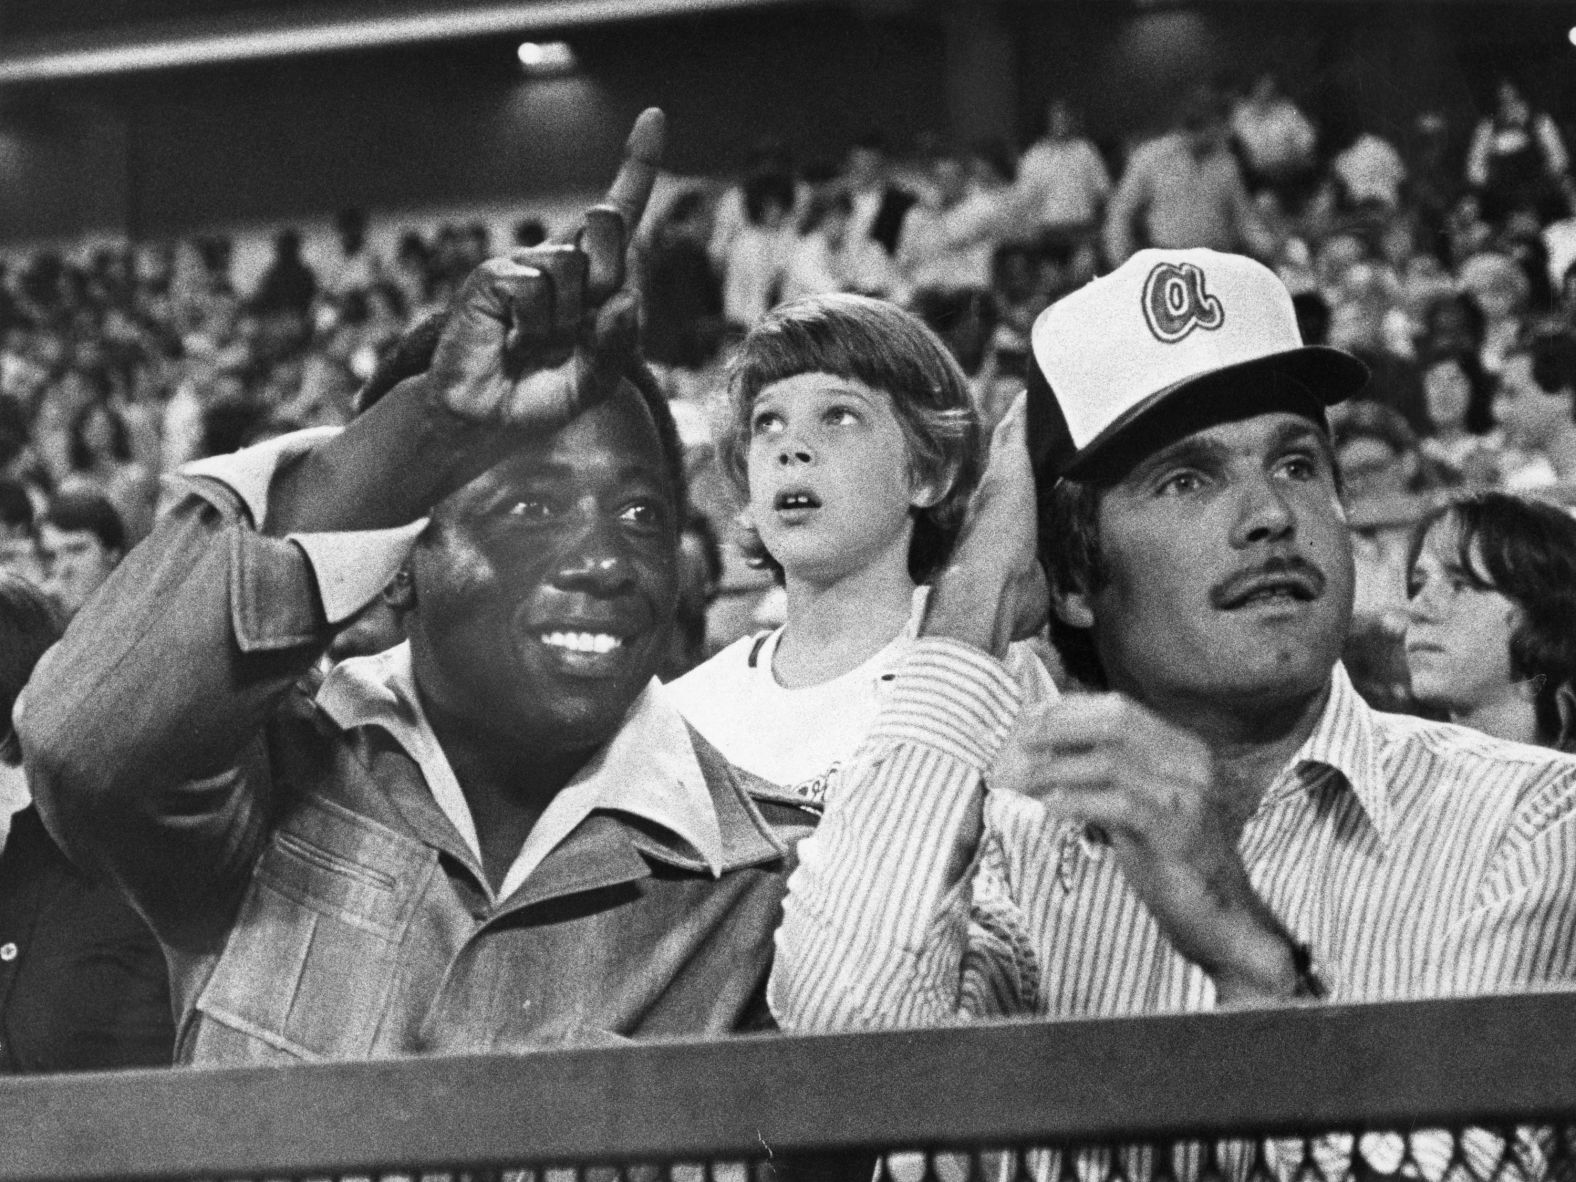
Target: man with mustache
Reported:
point(1227, 823)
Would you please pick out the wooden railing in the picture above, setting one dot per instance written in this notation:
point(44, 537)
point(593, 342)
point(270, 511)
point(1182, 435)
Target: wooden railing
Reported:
point(1252, 1073)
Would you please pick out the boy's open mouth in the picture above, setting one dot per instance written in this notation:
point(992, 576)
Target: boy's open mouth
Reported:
point(796, 498)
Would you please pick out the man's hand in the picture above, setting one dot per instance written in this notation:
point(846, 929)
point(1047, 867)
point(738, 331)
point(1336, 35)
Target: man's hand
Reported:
point(539, 336)
point(992, 589)
point(1150, 789)
point(531, 341)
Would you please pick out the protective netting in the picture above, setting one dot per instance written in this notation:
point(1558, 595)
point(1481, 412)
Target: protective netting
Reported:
point(1474, 1154)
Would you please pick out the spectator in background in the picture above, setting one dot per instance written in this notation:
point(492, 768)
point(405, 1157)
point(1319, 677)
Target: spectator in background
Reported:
point(83, 985)
point(1379, 454)
point(879, 204)
point(288, 283)
point(1368, 172)
point(411, 270)
point(1500, 289)
point(757, 253)
point(1276, 139)
point(947, 251)
point(1452, 323)
point(1517, 159)
point(80, 542)
point(1368, 321)
point(829, 257)
point(1491, 591)
point(1185, 189)
point(18, 543)
point(683, 299)
point(1433, 177)
point(101, 459)
point(1459, 399)
point(730, 213)
point(1062, 188)
point(354, 266)
point(1382, 468)
point(1535, 404)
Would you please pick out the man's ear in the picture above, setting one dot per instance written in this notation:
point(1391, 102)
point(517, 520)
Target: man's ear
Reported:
point(400, 593)
point(1072, 608)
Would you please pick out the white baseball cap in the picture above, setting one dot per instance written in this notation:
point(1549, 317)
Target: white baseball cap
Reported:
point(1115, 350)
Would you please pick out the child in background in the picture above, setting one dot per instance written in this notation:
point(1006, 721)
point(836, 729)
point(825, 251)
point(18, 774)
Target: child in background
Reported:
point(1491, 589)
point(851, 435)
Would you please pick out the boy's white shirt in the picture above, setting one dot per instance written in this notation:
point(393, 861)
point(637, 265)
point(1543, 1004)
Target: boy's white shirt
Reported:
point(802, 739)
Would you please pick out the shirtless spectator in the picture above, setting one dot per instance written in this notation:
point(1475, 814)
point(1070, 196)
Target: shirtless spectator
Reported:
point(1276, 138)
point(1185, 189)
point(1063, 185)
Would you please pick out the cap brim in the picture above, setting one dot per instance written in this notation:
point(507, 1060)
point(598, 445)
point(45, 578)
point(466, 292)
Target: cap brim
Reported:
point(1315, 375)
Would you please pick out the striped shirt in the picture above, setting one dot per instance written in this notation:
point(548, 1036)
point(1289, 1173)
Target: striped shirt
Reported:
point(1417, 859)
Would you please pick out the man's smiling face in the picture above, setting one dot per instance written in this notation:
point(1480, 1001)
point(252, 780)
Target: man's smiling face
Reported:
point(545, 588)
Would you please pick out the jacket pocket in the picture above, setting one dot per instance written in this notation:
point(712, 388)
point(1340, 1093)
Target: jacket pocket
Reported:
point(310, 963)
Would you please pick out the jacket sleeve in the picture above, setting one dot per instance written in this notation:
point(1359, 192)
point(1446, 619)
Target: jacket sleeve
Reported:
point(142, 730)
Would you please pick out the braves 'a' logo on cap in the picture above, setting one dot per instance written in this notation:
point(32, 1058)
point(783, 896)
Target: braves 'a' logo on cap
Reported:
point(1175, 302)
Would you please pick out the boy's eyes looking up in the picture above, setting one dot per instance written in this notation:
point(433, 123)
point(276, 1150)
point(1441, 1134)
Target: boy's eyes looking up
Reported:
point(771, 422)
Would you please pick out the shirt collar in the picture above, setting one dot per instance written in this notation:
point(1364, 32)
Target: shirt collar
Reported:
point(1346, 740)
point(648, 769)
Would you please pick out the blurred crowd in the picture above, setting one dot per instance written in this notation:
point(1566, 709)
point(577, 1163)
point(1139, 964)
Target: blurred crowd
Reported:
point(1453, 275)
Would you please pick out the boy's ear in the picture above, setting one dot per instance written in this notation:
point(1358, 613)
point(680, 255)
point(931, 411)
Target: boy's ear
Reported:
point(1565, 707)
point(400, 594)
point(929, 493)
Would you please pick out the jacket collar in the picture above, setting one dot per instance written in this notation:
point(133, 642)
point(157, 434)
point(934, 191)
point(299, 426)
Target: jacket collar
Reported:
point(679, 800)
point(648, 771)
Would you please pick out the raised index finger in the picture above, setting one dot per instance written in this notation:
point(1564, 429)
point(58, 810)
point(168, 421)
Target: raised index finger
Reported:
point(631, 188)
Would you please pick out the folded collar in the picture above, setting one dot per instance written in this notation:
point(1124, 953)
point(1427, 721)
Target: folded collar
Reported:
point(647, 770)
point(1346, 740)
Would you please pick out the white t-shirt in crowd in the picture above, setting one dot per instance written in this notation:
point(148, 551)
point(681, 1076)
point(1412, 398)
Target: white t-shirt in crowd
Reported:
point(804, 739)
point(1371, 170)
point(1063, 183)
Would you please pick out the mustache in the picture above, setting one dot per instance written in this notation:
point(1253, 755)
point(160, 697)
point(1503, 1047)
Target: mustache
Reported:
point(1291, 572)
